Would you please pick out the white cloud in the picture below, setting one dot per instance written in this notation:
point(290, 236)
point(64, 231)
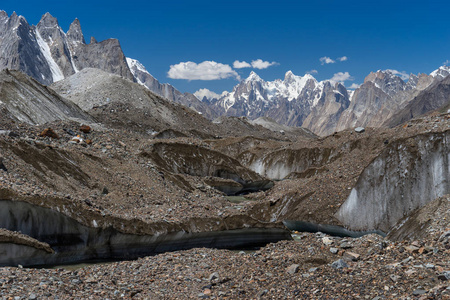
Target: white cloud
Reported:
point(354, 86)
point(207, 70)
point(206, 93)
point(447, 62)
point(241, 64)
point(260, 64)
point(341, 77)
point(402, 74)
point(312, 72)
point(326, 60)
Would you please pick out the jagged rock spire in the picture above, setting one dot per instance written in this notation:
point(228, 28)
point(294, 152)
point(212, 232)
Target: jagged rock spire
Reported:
point(75, 34)
point(48, 20)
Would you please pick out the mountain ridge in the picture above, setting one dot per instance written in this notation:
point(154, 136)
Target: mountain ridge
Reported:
point(48, 54)
point(326, 106)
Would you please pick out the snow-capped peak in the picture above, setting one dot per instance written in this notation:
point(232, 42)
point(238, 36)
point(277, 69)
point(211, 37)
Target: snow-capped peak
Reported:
point(288, 74)
point(441, 72)
point(253, 77)
point(292, 85)
point(290, 88)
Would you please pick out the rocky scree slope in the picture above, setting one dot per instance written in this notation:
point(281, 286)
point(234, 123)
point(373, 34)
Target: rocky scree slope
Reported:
point(24, 99)
point(111, 176)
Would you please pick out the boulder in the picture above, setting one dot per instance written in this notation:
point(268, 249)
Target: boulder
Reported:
point(359, 129)
point(48, 132)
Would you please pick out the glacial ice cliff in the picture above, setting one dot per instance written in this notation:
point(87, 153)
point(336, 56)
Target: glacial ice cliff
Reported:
point(406, 176)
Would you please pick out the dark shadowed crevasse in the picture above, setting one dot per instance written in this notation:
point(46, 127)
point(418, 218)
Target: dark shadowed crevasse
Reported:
point(333, 230)
point(74, 242)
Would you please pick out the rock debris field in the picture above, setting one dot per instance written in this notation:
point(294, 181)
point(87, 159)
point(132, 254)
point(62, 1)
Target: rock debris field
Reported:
point(312, 266)
point(111, 177)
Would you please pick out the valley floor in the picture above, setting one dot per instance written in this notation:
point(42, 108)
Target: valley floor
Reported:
point(116, 182)
point(369, 267)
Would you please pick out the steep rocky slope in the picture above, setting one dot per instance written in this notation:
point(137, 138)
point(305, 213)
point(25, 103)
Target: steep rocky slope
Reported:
point(435, 96)
point(48, 54)
point(25, 100)
point(379, 98)
point(167, 91)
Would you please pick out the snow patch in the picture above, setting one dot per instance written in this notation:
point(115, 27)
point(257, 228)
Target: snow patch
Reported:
point(135, 67)
point(135, 64)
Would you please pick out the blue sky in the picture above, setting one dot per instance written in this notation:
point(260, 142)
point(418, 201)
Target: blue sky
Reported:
point(359, 36)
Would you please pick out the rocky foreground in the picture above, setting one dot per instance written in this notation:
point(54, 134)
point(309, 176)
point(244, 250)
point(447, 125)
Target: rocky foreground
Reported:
point(158, 169)
point(312, 266)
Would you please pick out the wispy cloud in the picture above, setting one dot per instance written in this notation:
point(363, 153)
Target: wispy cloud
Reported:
point(312, 72)
point(241, 64)
point(207, 70)
point(326, 60)
point(447, 62)
point(402, 74)
point(256, 64)
point(354, 86)
point(341, 77)
point(260, 64)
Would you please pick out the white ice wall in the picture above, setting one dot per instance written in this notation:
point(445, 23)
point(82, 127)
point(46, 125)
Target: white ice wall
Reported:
point(407, 175)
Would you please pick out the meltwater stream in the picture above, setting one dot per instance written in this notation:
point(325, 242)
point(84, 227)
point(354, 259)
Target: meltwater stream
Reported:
point(76, 243)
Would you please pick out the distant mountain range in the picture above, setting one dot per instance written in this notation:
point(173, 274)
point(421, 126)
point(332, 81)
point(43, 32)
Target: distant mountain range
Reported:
point(326, 106)
point(48, 54)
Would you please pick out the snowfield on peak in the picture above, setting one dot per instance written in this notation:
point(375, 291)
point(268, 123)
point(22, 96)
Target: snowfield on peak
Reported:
point(441, 72)
point(136, 66)
point(57, 74)
point(134, 63)
point(291, 88)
